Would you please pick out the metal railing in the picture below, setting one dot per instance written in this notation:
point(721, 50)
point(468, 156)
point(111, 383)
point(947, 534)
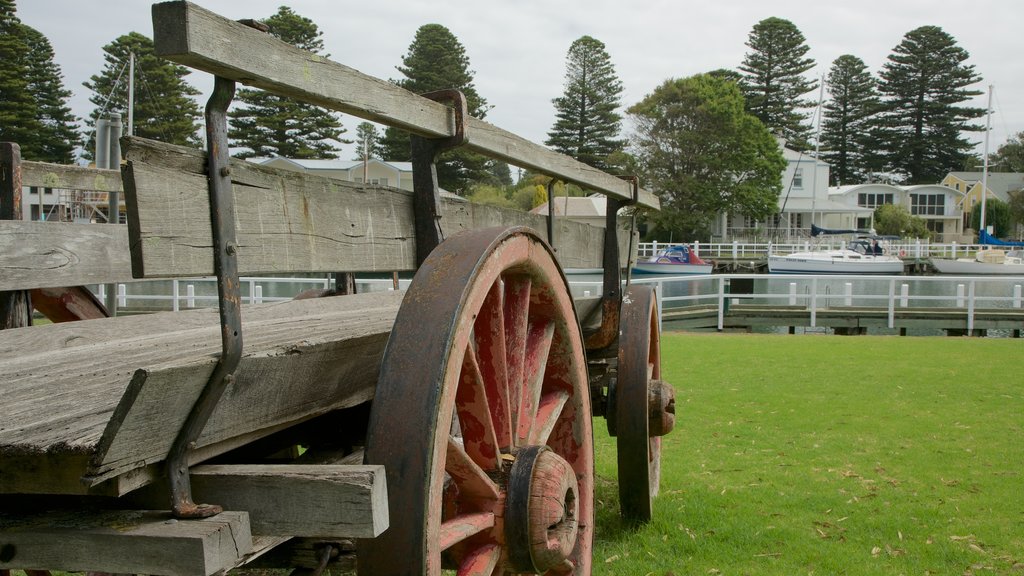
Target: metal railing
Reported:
point(759, 250)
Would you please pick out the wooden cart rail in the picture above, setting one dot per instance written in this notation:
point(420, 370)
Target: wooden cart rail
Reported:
point(298, 222)
point(190, 35)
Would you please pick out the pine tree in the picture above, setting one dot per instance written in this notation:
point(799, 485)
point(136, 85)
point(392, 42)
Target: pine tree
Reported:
point(586, 122)
point(773, 82)
point(436, 60)
point(923, 84)
point(368, 142)
point(163, 107)
point(59, 133)
point(33, 109)
point(272, 125)
point(846, 118)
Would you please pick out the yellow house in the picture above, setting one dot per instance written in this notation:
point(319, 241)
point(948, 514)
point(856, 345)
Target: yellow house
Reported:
point(1000, 184)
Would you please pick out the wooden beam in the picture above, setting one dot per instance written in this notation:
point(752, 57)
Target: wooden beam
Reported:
point(190, 35)
point(325, 501)
point(291, 221)
point(123, 542)
point(70, 177)
point(15, 305)
point(56, 254)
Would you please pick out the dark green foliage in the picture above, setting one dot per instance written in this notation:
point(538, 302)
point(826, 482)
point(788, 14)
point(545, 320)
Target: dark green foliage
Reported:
point(893, 220)
point(271, 125)
point(33, 100)
point(164, 109)
point(586, 121)
point(1016, 207)
point(368, 142)
point(773, 82)
point(923, 84)
point(846, 119)
point(998, 215)
point(1009, 157)
point(436, 60)
point(703, 155)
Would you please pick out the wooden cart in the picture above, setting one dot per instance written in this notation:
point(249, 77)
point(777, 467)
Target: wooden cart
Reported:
point(447, 426)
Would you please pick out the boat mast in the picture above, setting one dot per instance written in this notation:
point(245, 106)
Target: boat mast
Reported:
point(817, 150)
point(984, 160)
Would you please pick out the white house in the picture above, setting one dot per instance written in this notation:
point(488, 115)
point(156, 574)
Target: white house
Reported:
point(585, 209)
point(937, 204)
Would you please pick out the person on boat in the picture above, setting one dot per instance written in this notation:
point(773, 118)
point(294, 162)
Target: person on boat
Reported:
point(875, 248)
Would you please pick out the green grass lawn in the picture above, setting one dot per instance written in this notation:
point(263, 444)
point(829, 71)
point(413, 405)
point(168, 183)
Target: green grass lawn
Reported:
point(800, 455)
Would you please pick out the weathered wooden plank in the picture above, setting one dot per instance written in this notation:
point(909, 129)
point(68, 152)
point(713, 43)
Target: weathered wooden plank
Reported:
point(119, 389)
point(190, 35)
point(70, 177)
point(15, 305)
point(291, 221)
point(326, 501)
point(57, 254)
point(123, 542)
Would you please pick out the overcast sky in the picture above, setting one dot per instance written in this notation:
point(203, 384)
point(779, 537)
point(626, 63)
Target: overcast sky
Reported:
point(517, 49)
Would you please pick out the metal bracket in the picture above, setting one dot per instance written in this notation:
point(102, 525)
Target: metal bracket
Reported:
point(427, 195)
point(551, 214)
point(225, 263)
point(611, 296)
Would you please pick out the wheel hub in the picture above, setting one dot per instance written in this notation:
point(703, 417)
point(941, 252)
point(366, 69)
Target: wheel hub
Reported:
point(542, 511)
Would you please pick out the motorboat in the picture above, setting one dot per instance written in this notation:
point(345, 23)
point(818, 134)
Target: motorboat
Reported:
point(676, 259)
point(865, 254)
point(990, 261)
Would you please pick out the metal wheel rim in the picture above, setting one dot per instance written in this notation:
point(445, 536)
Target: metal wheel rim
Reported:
point(639, 454)
point(491, 303)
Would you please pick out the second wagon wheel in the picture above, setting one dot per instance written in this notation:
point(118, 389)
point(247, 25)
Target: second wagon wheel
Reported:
point(642, 407)
point(482, 417)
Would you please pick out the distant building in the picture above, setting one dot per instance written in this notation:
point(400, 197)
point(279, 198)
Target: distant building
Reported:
point(378, 172)
point(585, 209)
point(1000, 184)
point(937, 204)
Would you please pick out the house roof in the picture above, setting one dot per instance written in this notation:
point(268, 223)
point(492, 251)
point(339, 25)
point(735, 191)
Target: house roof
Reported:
point(334, 164)
point(1000, 183)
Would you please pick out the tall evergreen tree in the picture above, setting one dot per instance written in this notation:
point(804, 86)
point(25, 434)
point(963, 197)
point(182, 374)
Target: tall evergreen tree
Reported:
point(271, 125)
point(33, 100)
point(773, 82)
point(704, 155)
point(368, 142)
point(59, 133)
point(586, 121)
point(163, 107)
point(846, 119)
point(436, 60)
point(1010, 156)
point(923, 84)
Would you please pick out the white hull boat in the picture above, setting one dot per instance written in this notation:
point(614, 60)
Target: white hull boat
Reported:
point(994, 261)
point(834, 262)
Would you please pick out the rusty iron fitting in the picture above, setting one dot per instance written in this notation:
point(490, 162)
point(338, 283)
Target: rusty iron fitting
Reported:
point(661, 408)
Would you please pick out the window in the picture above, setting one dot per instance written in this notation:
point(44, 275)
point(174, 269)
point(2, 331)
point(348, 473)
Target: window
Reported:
point(928, 204)
point(798, 178)
point(874, 200)
point(379, 181)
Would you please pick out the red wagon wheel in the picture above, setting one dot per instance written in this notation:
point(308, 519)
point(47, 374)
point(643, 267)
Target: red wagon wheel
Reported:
point(482, 417)
point(644, 406)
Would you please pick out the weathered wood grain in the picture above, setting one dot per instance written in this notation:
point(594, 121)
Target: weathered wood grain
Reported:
point(69, 177)
point(326, 501)
point(57, 254)
point(117, 390)
point(123, 542)
point(190, 35)
point(290, 221)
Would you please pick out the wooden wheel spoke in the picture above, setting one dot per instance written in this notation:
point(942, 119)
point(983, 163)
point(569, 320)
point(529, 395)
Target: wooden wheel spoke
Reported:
point(538, 347)
point(489, 335)
point(475, 411)
point(517, 316)
point(548, 412)
point(480, 562)
point(464, 526)
point(470, 478)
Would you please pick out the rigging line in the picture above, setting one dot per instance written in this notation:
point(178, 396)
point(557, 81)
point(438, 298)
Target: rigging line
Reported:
point(156, 103)
point(106, 102)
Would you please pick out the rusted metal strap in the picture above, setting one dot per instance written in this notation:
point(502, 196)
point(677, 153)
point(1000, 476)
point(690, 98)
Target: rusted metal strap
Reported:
point(551, 213)
point(611, 296)
point(225, 262)
point(427, 194)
